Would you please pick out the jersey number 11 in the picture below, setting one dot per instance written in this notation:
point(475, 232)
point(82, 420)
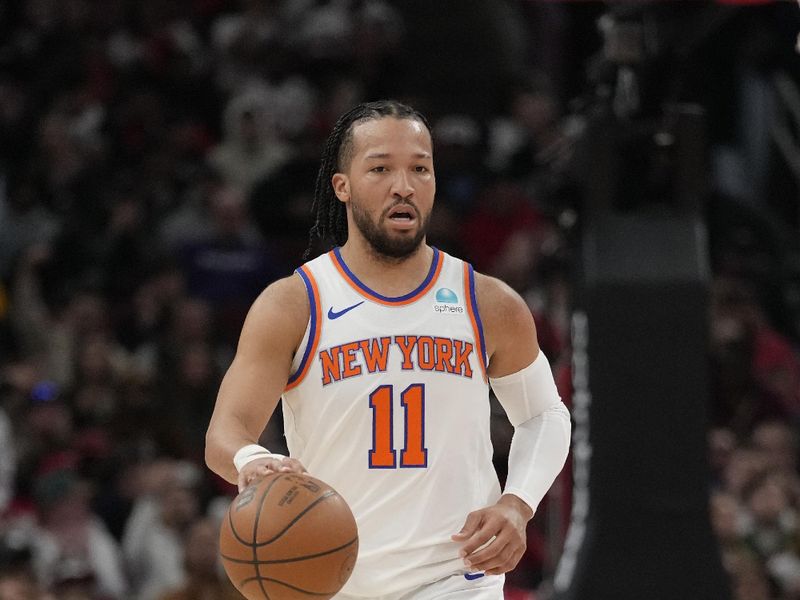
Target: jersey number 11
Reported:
point(413, 454)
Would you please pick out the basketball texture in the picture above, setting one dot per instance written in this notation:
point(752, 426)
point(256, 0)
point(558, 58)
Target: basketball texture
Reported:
point(288, 537)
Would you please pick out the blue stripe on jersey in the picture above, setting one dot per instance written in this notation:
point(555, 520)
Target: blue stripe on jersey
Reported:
point(370, 292)
point(312, 302)
point(481, 341)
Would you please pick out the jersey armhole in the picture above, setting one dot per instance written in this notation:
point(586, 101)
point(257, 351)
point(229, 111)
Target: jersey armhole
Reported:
point(475, 317)
point(314, 327)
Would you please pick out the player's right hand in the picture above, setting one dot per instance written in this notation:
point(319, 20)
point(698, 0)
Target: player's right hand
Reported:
point(261, 467)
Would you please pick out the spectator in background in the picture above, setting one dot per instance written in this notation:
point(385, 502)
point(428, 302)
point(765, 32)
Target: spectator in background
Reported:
point(155, 534)
point(73, 548)
point(238, 38)
point(69, 144)
point(533, 145)
point(117, 488)
point(749, 579)
point(16, 116)
point(44, 440)
point(191, 386)
point(191, 322)
point(53, 335)
point(230, 267)
point(190, 221)
point(771, 529)
point(205, 579)
point(325, 32)
point(754, 509)
point(17, 578)
point(279, 205)
point(24, 220)
point(378, 39)
point(460, 171)
point(779, 443)
point(726, 513)
point(251, 149)
point(721, 444)
point(756, 370)
point(141, 324)
point(503, 214)
point(126, 249)
point(744, 465)
point(94, 397)
point(8, 460)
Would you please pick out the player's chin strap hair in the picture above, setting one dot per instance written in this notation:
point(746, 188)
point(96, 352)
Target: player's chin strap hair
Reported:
point(542, 430)
point(251, 452)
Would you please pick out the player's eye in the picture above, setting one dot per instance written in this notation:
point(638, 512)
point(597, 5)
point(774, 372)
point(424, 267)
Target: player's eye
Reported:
point(421, 169)
point(380, 169)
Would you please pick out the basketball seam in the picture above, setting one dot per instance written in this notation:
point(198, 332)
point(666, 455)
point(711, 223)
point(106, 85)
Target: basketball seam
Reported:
point(230, 515)
point(297, 517)
point(289, 585)
point(253, 545)
point(288, 560)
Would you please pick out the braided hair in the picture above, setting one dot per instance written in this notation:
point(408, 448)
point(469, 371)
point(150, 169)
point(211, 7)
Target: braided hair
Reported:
point(329, 213)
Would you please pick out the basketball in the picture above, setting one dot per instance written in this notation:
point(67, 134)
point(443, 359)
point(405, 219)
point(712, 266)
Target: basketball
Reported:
point(288, 537)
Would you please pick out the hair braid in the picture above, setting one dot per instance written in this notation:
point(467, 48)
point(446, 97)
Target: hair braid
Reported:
point(330, 215)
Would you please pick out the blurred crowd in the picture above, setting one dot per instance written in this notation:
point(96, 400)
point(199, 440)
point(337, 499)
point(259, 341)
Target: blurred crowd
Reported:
point(157, 161)
point(754, 447)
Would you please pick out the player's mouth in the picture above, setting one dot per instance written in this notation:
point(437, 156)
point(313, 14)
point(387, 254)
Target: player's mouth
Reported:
point(403, 216)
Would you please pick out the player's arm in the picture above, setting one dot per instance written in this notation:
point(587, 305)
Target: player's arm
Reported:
point(254, 382)
point(521, 378)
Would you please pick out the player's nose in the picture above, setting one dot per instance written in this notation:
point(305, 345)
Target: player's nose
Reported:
point(402, 185)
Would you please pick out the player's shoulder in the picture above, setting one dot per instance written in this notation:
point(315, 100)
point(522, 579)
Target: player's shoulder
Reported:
point(277, 319)
point(283, 301)
point(498, 299)
point(285, 290)
point(511, 340)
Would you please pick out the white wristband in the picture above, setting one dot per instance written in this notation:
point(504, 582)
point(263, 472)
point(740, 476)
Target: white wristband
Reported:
point(250, 453)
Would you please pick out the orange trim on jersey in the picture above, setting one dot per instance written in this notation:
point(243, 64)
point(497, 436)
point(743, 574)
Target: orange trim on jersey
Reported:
point(474, 318)
point(315, 306)
point(363, 290)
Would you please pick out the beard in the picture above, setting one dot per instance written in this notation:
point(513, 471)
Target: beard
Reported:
point(382, 242)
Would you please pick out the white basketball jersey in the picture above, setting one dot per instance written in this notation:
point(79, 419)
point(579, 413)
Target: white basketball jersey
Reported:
point(389, 404)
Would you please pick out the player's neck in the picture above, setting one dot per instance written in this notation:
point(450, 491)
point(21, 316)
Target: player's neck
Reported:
point(386, 275)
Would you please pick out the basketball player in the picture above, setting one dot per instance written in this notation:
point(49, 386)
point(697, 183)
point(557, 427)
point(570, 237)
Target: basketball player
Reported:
point(383, 351)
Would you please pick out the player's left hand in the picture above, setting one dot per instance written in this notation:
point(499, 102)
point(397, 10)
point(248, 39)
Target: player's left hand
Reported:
point(505, 522)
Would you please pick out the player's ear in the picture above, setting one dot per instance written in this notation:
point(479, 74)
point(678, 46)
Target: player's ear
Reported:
point(341, 186)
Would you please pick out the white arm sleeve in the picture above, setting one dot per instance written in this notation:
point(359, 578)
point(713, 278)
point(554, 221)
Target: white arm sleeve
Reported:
point(542, 430)
point(539, 450)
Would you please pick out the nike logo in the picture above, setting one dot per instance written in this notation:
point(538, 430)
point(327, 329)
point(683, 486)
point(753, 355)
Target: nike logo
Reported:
point(473, 576)
point(335, 315)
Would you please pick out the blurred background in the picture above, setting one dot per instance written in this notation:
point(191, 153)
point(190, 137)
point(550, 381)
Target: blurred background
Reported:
point(634, 166)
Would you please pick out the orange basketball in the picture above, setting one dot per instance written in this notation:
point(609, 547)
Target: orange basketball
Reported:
point(288, 537)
